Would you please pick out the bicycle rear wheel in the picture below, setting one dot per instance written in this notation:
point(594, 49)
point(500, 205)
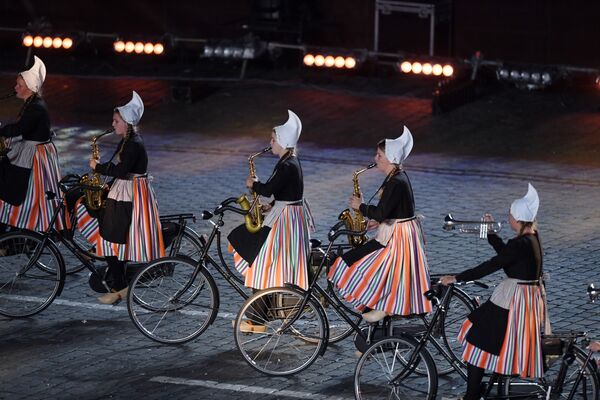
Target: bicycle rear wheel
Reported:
point(161, 306)
point(587, 388)
point(25, 291)
point(388, 358)
point(268, 348)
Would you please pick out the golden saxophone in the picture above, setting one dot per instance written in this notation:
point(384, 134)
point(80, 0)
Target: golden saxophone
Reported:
point(94, 198)
point(254, 218)
point(3, 141)
point(356, 223)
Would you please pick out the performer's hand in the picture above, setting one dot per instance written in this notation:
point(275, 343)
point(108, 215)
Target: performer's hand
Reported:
point(266, 207)
point(93, 163)
point(250, 181)
point(447, 279)
point(372, 224)
point(354, 202)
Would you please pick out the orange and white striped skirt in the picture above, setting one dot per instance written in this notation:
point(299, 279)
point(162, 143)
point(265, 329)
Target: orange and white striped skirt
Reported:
point(36, 211)
point(521, 351)
point(391, 279)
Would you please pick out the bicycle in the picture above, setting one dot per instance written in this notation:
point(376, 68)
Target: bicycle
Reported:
point(295, 328)
point(401, 367)
point(174, 300)
point(32, 268)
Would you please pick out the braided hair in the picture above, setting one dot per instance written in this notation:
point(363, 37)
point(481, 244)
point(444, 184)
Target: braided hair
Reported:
point(132, 130)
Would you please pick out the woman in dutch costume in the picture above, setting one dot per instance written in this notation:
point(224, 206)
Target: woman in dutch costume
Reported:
point(504, 334)
point(278, 253)
point(129, 225)
point(387, 275)
point(31, 166)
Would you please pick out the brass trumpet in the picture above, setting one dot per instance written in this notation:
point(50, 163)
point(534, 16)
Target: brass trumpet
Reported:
point(478, 227)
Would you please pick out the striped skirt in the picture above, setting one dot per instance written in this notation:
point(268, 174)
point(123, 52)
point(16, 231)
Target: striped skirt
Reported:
point(144, 242)
point(36, 211)
point(521, 351)
point(391, 279)
point(283, 257)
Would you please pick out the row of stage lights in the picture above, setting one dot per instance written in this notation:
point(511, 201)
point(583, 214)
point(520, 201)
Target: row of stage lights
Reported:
point(48, 42)
point(533, 79)
point(330, 61)
point(418, 68)
point(121, 46)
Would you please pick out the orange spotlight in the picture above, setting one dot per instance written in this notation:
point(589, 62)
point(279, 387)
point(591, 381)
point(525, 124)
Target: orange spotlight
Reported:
point(37, 41)
point(309, 60)
point(329, 61)
point(427, 69)
point(129, 46)
point(119, 46)
point(148, 48)
point(448, 70)
point(437, 69)
point(67, 43)
point(339, 62)
point(350, 62)
point(139, 47)
point(28, 41)
point(57, 43)
point(406, 67)
point(417, 67)
point(319, 60)
point(47, 42)
point(159, 48)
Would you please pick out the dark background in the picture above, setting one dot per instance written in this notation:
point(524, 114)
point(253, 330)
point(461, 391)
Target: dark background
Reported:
point(532, 31)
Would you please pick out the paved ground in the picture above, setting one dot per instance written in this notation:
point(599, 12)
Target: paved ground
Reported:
point(78, 349)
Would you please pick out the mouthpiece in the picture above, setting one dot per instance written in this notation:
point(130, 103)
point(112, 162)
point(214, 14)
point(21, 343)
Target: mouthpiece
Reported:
point(371, 165)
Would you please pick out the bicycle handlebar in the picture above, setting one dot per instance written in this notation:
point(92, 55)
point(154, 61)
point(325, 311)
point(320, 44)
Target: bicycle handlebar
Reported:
point(336, 232)
point(224, 206)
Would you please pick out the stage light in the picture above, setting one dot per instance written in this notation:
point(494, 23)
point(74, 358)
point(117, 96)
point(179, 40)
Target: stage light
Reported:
point(67, 43)
point(308, 60)
point(47, 43)
point(598, 82)
point(119, 46)
point(536, 76)
point(417, 68)
point(57, 43)
point(329, 61)
point(28, 41)
point(129, 46)
point(406, 67)
point(523, 76)
point(437, 70)
point(340, 62)
point(448, 70)
point(546, 78)
point(139, 47)
point(148, 48)
point(427, 69)
point(37, 41)
point(350, 62)
point(159, 48)
point(243, 49)
point(319, 60)
point(515, 74)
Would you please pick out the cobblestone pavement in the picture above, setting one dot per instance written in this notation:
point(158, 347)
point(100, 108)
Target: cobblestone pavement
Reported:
point(78, 349)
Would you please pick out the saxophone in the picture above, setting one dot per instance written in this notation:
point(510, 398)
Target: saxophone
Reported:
point(254, 218)
point(356, 223)
point(94, 198)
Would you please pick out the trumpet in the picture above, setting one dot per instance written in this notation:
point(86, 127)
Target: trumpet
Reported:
point(478, 227)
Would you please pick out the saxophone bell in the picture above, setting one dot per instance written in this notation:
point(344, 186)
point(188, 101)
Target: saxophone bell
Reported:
point(254, 218)
point(94, 197)
point(356, 222)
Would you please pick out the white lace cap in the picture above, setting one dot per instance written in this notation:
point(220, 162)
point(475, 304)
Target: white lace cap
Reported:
point(34, 77)
point(397, 150)
point(287, 135)
point(525, 209)
point(132, 112)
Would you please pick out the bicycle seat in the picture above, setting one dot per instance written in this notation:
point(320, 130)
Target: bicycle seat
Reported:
point(314, 243)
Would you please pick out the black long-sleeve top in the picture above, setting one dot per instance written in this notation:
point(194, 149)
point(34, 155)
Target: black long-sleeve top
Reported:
point(397, 201)
point(34, 123)
point(133, 159)
point(286, 182)
point(520, 258)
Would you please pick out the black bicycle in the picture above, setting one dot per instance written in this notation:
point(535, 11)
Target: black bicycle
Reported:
point(32, 267)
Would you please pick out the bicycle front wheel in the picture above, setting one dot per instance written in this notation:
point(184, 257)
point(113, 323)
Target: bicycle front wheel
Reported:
point(384, 371)
point(30, 277)
point(580, 380)
point(267, 340)
point(170, 303)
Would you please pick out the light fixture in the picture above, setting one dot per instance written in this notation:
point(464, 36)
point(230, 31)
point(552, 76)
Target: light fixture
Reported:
point(138, 47)
point(426, 68)
point(528, 77)
point(333, 58)
point(244, 49)
point(47, 42)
